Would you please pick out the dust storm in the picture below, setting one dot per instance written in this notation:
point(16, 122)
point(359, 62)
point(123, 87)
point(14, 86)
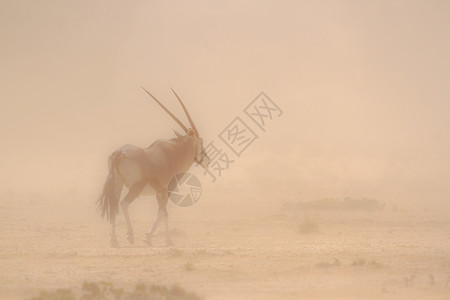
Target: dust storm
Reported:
point(337, 189)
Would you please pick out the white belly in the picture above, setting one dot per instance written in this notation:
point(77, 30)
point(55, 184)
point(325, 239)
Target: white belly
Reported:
point(131, 173)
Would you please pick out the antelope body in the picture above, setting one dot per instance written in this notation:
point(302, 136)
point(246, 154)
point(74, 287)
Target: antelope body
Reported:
point(148, 171)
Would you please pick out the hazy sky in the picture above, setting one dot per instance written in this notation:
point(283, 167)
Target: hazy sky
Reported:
point(363, 84)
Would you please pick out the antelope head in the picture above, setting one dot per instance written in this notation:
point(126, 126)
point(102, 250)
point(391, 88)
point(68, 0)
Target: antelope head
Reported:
point(201, 158)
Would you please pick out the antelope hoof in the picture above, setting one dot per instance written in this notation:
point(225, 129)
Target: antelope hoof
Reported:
point(114, 244)
point(148, 241)
point(130, 238)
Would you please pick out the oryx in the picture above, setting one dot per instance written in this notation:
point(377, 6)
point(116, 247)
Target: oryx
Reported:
point(148, 171)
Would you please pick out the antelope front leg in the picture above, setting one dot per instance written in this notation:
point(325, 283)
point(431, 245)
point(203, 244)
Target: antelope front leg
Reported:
point(163, 207)
point(162, 198)
point(114, 242)
point(169, 241)
point(150, 232)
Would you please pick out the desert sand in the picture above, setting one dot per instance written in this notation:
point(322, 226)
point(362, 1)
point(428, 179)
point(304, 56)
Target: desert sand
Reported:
point(227, 249)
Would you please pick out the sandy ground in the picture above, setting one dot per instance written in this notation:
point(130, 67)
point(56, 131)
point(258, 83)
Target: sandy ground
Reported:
point(226, 249)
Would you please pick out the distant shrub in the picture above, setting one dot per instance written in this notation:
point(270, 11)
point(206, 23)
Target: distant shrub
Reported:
point(59, 294)
point(359, 262)
point(189, 267)
point(106, 291)
point(337, 204)
point(307, 226)
point(325, 264)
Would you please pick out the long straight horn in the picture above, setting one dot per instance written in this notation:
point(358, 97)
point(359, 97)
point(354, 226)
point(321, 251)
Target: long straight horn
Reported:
point(186, 112)
point(167, 111)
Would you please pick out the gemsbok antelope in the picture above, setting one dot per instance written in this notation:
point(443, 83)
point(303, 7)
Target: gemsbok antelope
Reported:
point(148, 171)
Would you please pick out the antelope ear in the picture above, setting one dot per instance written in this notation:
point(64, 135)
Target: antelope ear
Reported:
point(191, 132)
point(177, 133)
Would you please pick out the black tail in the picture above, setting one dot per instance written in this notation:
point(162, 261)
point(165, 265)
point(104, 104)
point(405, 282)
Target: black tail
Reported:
point(108, 202)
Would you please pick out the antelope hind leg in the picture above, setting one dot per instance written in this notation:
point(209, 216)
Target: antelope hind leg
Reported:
point(114, 242)
point(132, 194)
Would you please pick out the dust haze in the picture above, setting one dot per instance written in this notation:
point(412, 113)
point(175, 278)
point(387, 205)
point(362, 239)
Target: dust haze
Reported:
point(345, 195)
